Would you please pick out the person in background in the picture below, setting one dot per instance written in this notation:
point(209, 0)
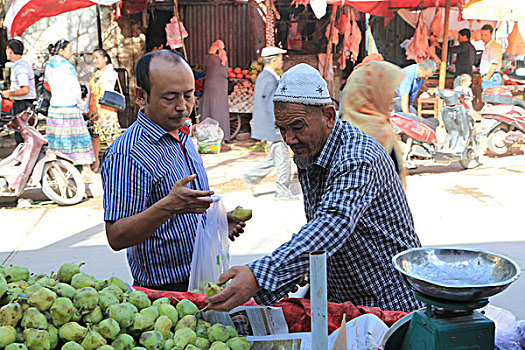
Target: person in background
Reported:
point(408, 89)
point(22, 90)
point(214, 101)
point(155, 185)
point(66, 129)
point(355, 207)
point(465, 81)
point(367, 102)
point(264, 128)
point(103, 122)
point(465, 55)
point(491, 59)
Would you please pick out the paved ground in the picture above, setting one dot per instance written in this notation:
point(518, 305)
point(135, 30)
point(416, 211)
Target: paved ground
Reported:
point(481, 208)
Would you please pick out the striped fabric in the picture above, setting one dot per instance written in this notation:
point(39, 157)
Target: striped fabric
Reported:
point(358, 213)
point(66, 132)
point(139, 169)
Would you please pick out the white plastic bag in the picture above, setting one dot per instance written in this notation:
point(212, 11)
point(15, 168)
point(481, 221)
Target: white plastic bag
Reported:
point(210, 251)
point(208, 131)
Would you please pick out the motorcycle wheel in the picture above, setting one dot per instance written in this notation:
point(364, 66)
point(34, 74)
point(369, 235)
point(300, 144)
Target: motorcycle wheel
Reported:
point(62, 182)
point(472, 159)
point(496, 141)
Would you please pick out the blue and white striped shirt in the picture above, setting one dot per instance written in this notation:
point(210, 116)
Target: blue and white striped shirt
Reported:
point(139, 169)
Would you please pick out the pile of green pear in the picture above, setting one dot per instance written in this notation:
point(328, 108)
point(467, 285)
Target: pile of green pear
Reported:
point(72, 310)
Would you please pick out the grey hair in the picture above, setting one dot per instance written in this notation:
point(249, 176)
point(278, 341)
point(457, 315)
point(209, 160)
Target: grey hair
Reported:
point(428, 65)
point(281, 105)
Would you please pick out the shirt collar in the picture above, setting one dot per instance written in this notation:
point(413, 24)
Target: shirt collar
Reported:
point(273, 73)
point(153, 129)
point(325, 156)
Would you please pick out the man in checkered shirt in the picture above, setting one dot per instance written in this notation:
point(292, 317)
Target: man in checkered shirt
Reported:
point(354, 202)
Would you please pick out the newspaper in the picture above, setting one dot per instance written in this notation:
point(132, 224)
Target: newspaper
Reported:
point(251, 320)
point(362, 333)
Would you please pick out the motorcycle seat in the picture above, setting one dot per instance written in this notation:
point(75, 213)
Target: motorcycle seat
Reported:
point(432, 122)
point(504, 100)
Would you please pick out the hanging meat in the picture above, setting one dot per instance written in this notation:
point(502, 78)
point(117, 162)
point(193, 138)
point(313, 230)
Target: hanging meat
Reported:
point(173, 33)
point(436, 26)
point(351, 41)
point(418, 49)
point(335, 34)
point(516, 45)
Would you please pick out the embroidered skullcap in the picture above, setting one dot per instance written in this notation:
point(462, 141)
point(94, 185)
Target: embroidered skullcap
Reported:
point(304, 85)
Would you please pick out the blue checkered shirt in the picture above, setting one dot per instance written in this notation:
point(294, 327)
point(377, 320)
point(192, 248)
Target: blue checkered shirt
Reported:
point(139, 169)
point(357, 212)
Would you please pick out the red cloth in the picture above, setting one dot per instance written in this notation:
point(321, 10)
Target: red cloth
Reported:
point(296, 311)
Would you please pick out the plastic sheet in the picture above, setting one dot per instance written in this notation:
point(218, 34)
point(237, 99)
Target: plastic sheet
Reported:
point(208, 131)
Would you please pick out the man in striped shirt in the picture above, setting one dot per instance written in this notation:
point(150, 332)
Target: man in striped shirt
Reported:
point(155, 185)
point(354, 203)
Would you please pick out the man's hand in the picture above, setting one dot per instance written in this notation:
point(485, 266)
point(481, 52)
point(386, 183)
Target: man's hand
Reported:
point(234, 228)
point(182, 200)
point(6, 93)
point(242, 287)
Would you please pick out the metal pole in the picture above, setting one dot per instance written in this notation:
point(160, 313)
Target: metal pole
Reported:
point(444, 51)
point(99, 28)
point(329, 47)
point(319, 302)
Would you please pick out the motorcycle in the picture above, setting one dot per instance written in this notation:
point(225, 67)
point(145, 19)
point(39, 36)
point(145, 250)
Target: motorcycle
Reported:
point(418, 138)
point(503, 119)
point(32, 165)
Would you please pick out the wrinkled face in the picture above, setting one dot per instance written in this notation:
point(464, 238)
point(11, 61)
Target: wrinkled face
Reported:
point(66, 52)
point(171, 98)
point(304, 128)
point(9, 54)
point(99, 61)
point(486, 36)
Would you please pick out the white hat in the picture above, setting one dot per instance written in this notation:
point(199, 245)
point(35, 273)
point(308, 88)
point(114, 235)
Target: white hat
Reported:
point(271, 51)
point(304, 85)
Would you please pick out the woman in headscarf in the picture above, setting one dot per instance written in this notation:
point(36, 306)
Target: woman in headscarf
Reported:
point(367, 101)
point(214, 102)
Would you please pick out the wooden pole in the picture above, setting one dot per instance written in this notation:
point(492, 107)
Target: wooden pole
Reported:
point(329, 47)
point(444, 51)
point(177, 17)
point(99, 28)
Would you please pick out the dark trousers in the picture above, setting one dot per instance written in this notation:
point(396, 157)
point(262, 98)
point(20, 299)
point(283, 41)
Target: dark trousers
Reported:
point(18, 107)
point(173, 287)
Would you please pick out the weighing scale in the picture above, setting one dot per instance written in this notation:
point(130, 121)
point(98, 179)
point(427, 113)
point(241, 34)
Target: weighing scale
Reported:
point(453, 283)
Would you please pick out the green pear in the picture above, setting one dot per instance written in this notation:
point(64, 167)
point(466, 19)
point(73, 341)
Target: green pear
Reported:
point(106, 347)
point(141, 324)
point(67, 271)
point(109, 328)
point(53, 336)
point(33, 318)
point(81, 280)
point(71, 345)
point(94, 316)
point(10, 314)
point(37, 339)
point(93, 341)
point(237, 343)
point(139, 299)
point(152, 312)
point(116, 291)
point(122, 313)
point(16, 346)
point(241, 214)
point(183, 337)
point(3, 285)
point(16, 273)
point(202, 343)
point(187, 307)
point(170, 311)
point(65, 290)
point(105, 300)
point(159, 301)
point(10, 296)
point(86, 299)
point(233, 331)
point(115, 281)
point(32, 288)
point(152, 340)
point(219, 345)
point(61, 311)
point(7, 335)
point(163, 324)
point(123, 342)
point(72, 331)
point(218, 332)
point(188, 321)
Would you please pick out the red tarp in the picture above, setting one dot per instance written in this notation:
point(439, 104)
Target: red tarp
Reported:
point(23, 13)
point(296, 311)
point(384, 7)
